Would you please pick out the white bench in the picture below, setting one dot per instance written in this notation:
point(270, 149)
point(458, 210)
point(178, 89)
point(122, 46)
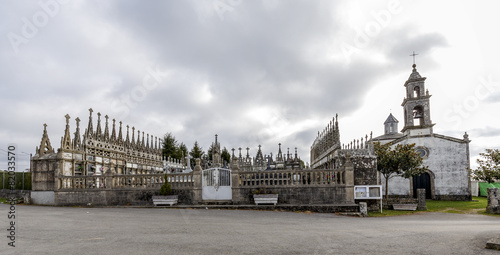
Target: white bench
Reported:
point(265, 199)
point(162, 200)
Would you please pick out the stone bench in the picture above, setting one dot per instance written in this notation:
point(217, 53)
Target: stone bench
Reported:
point(265, 199)
point(162, 200)
point(404, 207)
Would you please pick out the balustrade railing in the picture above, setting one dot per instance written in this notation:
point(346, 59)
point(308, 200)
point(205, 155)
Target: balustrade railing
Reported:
point(292, 178)
point(129, 181)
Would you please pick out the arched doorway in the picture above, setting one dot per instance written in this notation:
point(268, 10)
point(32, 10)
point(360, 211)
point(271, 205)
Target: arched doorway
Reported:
point(422, 181)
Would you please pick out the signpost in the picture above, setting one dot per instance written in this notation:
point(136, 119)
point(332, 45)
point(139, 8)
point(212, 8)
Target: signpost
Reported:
point(368, 192)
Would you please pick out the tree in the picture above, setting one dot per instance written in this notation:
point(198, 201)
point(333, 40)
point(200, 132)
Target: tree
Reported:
point(489, 166)
point(210, 152)
point(225, 156)
point(182, 151)
point(170, 146)
point(402, 161)
point(196, 152)
point(302, 164)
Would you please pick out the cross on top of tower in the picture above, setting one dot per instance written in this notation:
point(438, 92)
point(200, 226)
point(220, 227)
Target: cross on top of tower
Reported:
point(413, 55)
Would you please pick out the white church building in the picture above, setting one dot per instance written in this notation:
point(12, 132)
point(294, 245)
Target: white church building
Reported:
point(446, 157)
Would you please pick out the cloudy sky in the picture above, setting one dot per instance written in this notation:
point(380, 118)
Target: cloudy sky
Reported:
point(253, 72)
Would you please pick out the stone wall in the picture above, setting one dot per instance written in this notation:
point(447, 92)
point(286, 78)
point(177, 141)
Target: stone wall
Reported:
point(295, 187)
point(43, 172)
point(42, 198)
point(287, 195)
point(7, 193)
point(298, 195)
point(115, 197)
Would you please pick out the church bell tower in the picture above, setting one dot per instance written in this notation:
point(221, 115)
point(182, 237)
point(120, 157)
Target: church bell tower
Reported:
point(416, 106)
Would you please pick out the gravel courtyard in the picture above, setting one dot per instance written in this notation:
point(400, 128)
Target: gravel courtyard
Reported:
point(69, 230)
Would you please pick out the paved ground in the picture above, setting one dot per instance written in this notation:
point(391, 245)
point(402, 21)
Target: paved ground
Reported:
point(67, 230)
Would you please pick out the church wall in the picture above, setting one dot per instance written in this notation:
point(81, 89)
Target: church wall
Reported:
point(447, 160)
point(398, 186)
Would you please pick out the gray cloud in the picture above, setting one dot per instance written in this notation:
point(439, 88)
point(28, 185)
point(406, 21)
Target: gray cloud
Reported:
point(94, 54)
point(485, 132)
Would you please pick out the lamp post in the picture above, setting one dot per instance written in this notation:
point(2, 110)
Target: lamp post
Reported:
point(29, 169)
point(3, 173)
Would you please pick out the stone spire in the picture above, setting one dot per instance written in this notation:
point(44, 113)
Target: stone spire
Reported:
point(98, 132)
point(45, 146)
point(337, 131)
point(143, 145)
point(77, 143)
point(259, 158)
point(113, 132)
point(106, 129)
point(147, 142)
point(152, 146)
point(66, 140)
point(90, 129)
point(120, 138)
point(138, 143)
point(132, 142)
point(127, 140)
point(279, 157)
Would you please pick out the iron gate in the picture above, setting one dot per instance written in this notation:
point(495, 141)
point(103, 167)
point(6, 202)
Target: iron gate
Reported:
point(216, 184)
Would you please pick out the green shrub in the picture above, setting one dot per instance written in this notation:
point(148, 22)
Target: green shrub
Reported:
point(166, 189)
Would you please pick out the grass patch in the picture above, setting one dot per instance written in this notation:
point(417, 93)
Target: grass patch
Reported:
point(462, 207)
point(387, 212)
point(466, 207)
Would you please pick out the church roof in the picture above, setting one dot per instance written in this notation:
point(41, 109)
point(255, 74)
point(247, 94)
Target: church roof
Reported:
point(388, 137)
point(391, 119)
point(414, 74)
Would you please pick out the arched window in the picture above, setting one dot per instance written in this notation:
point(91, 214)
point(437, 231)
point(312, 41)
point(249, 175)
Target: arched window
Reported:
point(418, 115)
point(416, 92)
